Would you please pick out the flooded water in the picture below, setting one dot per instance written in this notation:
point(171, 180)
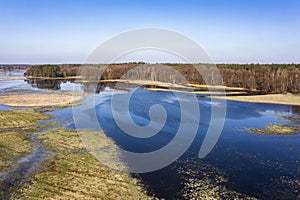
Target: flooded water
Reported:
point(240, 165)
point(249, 165)
point(22, 170)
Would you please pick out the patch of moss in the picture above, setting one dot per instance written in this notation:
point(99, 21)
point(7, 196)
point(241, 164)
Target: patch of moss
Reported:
point(75, 174)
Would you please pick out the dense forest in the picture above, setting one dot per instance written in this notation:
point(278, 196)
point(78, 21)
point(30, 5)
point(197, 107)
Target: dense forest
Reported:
point(52, 71)
point(267, 78)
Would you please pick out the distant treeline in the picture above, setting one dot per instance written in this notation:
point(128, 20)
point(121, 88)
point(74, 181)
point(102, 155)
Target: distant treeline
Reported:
point(14, 67)
point(273, 78)
point(267, 78)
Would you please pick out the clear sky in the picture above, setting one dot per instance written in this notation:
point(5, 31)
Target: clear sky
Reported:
point(231, 31)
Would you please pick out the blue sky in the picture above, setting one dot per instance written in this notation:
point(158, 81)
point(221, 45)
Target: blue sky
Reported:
point(230, 31)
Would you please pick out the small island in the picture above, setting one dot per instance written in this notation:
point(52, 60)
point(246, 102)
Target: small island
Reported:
point(293, 127)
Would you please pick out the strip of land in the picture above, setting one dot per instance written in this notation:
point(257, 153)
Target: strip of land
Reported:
point(221, 92)
point(287, 99)
point(37, 100)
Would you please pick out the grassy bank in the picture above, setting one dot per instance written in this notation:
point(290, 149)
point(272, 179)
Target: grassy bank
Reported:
point(14, 127)
point(72, 173)
point(76, 174)
point(21, 119)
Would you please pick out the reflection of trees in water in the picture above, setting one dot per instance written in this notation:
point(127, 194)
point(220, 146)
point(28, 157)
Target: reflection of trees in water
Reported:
point(97, 87)
point(54, 84)
point(92, 87)
point(296, 110)
point(45, 83)
point(6, 71)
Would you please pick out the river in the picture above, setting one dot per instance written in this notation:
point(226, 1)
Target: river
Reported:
point(241, 164)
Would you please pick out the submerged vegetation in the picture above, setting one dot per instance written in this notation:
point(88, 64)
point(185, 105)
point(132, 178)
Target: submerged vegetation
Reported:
point(15, 143)
point(282, 129)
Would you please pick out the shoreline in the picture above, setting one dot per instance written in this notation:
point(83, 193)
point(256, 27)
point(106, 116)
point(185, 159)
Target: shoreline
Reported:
point(216, 91)
point(283, 99)
point(212, 91)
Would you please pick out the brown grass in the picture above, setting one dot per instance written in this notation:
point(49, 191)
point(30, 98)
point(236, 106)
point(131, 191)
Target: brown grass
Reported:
point(287, 99)
point(73, 173)
point(279, 129)
point(76, 174)
point(37, 100)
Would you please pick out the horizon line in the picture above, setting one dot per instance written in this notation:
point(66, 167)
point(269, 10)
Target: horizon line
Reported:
point(218, 63)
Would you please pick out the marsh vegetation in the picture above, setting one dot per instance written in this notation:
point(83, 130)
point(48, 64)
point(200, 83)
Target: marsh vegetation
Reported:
point(71, 172)
point(75, 174)
point(293, 127)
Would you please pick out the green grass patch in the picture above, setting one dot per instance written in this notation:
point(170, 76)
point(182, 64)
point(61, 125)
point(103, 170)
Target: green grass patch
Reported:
point(21, 119)
point(14, 126)
point(13, 145)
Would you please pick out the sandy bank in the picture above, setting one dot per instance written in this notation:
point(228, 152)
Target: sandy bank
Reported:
point(239, 94)
point(287, 99)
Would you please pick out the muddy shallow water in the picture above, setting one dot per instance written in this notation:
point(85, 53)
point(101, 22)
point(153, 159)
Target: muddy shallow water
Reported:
point(23, 169)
